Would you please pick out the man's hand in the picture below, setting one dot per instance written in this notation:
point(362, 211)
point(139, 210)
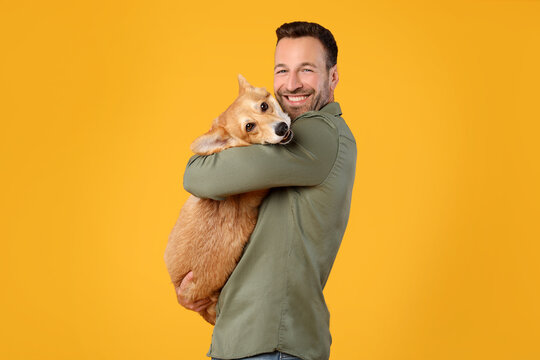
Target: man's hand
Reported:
point(197, 305)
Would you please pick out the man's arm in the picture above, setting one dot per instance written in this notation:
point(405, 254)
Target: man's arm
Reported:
point(306, 161)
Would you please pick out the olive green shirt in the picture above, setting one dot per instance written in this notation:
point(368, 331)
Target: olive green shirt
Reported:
point(274, 298)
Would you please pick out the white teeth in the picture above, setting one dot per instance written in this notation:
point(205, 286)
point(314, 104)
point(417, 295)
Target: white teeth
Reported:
point(297, 98)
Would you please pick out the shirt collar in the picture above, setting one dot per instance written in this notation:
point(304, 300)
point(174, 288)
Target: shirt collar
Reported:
point(332, 108)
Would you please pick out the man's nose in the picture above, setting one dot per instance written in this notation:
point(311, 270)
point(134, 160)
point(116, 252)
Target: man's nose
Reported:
point(293, 82)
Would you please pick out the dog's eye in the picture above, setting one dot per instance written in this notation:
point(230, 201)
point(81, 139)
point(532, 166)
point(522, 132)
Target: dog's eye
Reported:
point(250, 126)
point(264, 106)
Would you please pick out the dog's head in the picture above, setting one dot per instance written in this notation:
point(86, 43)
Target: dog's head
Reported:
point(255, 117)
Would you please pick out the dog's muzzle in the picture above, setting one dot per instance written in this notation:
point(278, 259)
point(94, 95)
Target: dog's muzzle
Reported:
point(281, 129)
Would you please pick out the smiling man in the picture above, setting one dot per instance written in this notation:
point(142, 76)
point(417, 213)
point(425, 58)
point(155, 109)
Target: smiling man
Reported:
point(272, 306)
point(305, 74)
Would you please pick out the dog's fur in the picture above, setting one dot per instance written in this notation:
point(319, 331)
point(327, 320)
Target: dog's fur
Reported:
point(209, 236)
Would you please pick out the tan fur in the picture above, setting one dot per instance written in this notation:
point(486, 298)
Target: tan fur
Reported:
point(209, 236)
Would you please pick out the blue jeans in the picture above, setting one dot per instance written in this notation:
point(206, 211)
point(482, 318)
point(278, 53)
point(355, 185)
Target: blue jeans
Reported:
point(269, 356)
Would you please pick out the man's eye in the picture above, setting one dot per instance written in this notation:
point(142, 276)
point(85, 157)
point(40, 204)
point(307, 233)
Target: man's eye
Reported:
point(307, 70)
point(250, 127)
point(281, 71)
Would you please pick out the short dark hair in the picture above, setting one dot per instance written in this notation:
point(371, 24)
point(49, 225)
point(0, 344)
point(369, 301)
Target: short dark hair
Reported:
point(302, 28)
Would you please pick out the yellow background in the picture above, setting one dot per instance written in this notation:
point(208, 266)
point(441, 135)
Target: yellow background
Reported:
point(101, 99)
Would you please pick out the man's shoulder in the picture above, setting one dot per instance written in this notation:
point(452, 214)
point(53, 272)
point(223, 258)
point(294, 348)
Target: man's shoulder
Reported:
point(329, 110)
point(330, 114)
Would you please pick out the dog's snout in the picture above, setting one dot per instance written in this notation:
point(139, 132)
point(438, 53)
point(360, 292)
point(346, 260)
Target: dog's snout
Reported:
point(281, 129)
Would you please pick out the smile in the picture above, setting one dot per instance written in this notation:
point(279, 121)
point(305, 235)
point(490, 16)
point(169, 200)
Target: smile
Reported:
point(298, 99)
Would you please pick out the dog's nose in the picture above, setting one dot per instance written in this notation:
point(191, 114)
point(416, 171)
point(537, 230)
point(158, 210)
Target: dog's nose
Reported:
point(281, 129)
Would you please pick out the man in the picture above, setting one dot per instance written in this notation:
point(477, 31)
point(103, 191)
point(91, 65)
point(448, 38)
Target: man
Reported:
point(272, 306)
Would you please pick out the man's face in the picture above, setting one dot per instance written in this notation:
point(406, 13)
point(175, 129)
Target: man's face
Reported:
point(301, 80)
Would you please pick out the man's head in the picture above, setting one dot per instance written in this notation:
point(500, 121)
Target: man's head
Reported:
point(305, 71)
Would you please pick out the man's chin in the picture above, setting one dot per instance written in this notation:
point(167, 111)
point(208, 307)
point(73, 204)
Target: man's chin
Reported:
point(295, 112)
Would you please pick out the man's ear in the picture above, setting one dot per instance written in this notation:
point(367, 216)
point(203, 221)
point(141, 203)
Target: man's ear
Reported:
point(333, 77)
point(243, 84)
point(212, 142)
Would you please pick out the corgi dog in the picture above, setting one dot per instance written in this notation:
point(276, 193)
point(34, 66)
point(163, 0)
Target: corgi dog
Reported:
point(209, 235)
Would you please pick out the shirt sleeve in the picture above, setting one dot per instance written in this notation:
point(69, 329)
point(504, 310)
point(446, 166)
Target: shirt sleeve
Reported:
point(306, 161)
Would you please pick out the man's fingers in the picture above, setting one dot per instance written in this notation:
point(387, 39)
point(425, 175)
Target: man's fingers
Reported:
point(202, 302)
point(198, 305)
point(201, 305)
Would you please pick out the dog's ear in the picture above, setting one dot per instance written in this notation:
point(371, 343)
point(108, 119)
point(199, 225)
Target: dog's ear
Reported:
point(243, 84)
point(212, 142)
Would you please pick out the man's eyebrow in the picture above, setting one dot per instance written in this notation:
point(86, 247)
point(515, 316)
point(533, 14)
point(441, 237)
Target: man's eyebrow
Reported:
point(302, 64)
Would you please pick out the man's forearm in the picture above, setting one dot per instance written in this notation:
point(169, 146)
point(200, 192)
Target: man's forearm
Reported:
point(304, 162)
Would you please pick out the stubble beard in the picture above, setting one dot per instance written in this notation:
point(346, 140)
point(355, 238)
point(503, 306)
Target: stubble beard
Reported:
point(318, 100)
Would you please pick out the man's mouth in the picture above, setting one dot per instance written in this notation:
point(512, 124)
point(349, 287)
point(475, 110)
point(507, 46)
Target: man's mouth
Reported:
point(296, 99)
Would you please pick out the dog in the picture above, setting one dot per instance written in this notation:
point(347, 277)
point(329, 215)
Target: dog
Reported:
point(209, 236)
